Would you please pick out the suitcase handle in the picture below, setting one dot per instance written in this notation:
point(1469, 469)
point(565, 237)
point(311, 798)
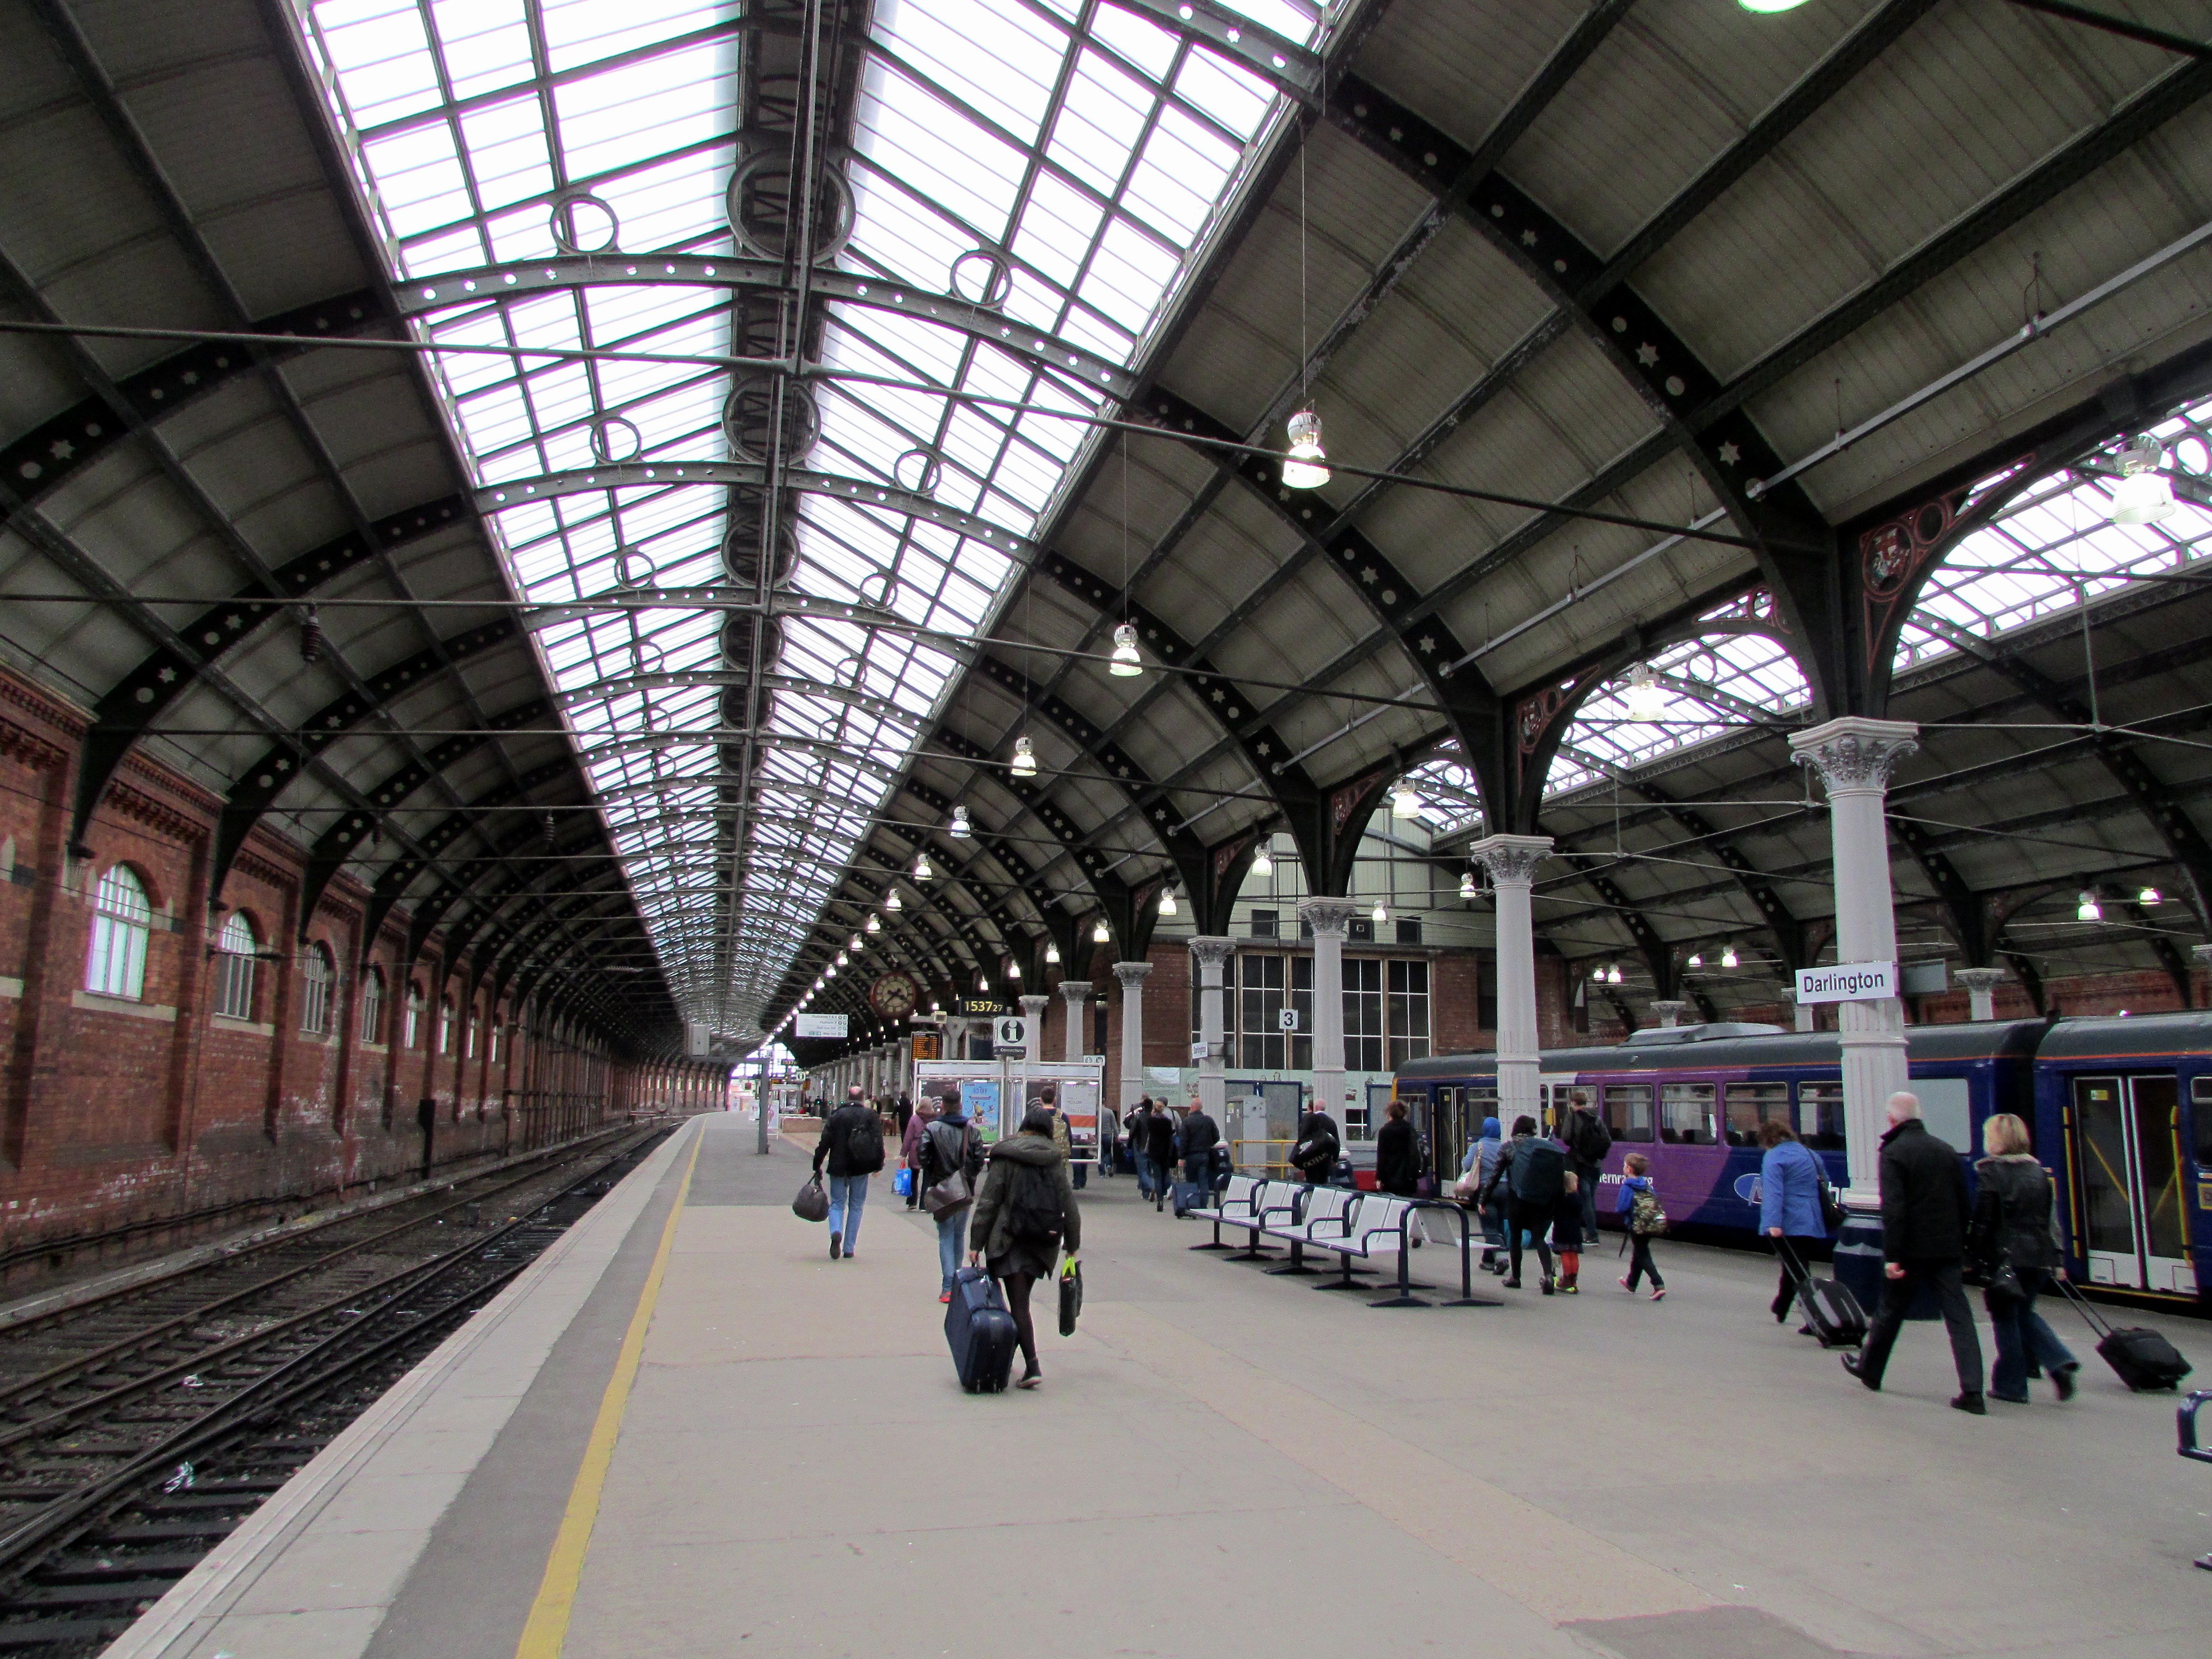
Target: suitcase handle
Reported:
point(2098, 1323)
point(2186, 1424)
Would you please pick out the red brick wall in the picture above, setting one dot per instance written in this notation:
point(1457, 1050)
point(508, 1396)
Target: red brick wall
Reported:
point(115, 1111)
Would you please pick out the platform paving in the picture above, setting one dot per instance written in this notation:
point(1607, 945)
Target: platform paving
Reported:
point(1222, 1462)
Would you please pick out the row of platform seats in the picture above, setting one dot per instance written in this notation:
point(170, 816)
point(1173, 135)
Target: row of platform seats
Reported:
point(1351, 1226)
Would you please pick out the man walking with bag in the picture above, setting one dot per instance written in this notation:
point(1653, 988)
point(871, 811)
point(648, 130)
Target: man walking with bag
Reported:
point(852, 1144)
point(1199, 1135)
point(1924, 1219)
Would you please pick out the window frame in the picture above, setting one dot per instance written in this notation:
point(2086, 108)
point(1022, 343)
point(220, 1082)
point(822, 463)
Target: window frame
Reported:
point(318, 980)
point(373, 991)
point(1685, 1097)
point(235, 986)
point(121, 929)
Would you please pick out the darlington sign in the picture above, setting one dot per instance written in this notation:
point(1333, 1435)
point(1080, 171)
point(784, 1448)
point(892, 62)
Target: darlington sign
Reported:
point(1848, 981)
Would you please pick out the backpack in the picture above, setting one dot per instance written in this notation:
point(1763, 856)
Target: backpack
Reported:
point(1645, 1218)
point(1540, 1172)
point(1592, 1140)
point(1033, 1206)
point(864, 1145)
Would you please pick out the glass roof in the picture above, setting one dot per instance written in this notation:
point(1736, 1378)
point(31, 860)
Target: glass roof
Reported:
point(1085, 150)
point(2053, 547)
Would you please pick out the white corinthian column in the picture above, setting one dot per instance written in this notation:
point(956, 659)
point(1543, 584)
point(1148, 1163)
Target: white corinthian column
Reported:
point(1512, 861)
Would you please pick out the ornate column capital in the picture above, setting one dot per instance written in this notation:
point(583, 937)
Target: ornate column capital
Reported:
point(1670, 1011)
point(1510, 858)
point(1211, 949)
point(1987, 979)
point(1075, 990)
point(1328, 916)
point(1033, 1005)
point(1133, 973)
point(1855, 752)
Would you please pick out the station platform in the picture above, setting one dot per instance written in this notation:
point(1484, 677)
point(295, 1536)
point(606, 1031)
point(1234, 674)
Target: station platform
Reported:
point(685, 1432)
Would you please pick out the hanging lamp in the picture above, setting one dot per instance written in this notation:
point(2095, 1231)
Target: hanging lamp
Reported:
point(1125, 663)
point(1466, 884)
point(1052, 953)
point(1263, 862)
point(960, 830)
point(1306, 467)
point(1727, 955)
point(1167, 901)
point(921, 870)
point(1380, 914)
point(1101, 933)
point(875, 925)
point(1024, 762)
point(2142, 494)
point(1405, 800)
point(2088, 910)
point(2151, 896)
point(1644, 698)
point(891, 902)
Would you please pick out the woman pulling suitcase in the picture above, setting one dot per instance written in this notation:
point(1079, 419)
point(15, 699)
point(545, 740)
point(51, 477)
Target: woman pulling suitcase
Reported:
point(1023, 1216)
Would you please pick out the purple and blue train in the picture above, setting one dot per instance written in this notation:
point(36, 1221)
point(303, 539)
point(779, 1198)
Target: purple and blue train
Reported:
point(2121, 1108)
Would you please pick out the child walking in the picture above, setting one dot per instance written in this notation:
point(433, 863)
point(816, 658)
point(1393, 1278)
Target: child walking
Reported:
point(1644, 1220)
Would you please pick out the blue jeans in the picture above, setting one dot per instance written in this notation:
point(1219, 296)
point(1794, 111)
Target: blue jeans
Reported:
point(848, 1195)
point(1152, 1177)
point(949, 1229)
point(2023, 1337)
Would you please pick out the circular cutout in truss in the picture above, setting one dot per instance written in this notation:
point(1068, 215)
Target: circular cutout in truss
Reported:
point(749, 409)
point(741, 549)
point(919, 470)
point(576, 216)
point(2192, 456)
point(648, 656)
point(876, 590)
point(633, 567)
point(983, 278)
point(616, 440)
point(737, 653)
point(851, 672)
point(758, 203)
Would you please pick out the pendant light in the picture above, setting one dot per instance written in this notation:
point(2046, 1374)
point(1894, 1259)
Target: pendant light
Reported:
point(1597, 975)
point(840, 963)
point(2142, 494)
point(1024, 762)
point(1052, 953)
point(1167, 901)
point(1125, 663)
point(1466, 884)
point(1768, 8)
point(858, 944)
point(1727, 955)
point(891, 902)
point(1696, 960)
point(1306, 467)
point(1380, 914)
point(874, 925)
point(921, 870)
point(960, 830)
point(1101, 933)
point(2088, 910)
point(1013, 970)
point(1263, 862)
point(1645, 699)
point(2151, 896)
point(982, 982)
point(1405, 800)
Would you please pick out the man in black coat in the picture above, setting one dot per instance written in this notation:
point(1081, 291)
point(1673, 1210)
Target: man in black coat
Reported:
point(1397, 1154)
point(1160, 1147)
point(1319, 1144)
point(1199, 1135)
point(852, 1144)
point(1924, 1216)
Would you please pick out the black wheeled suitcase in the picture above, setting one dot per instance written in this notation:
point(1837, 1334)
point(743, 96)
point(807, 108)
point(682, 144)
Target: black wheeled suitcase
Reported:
point(981, 1332)
point(2139, 1358)
point(1831, 1309)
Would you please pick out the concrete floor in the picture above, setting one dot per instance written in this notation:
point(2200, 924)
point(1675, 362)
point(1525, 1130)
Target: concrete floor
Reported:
point(1225, 1463)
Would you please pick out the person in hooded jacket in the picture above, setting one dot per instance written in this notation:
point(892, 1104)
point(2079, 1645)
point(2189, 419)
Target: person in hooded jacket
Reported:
point(1016, 1256)
point(2016, 1225)
point(1529, 1217)
point(1790, 1176)
point(1397, 1153)
point(1479, 1166)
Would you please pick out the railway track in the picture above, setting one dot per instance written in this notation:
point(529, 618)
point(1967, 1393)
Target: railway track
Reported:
point(168, 1417)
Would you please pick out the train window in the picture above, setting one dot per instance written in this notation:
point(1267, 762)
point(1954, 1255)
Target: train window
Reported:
point(2200, 1096)
point(1821, 1116)
point(1750, 1105)
point(1628, 1110)
point(1686, 1115)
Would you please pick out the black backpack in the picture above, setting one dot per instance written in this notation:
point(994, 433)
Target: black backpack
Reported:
point(1033, 1206)
point(864, 1145)
point(1540, 1170)
point(1592, 1140)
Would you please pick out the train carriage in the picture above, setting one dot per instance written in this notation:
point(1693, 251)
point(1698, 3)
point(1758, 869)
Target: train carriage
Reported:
point(2123, 1116)
point(1691, 1099)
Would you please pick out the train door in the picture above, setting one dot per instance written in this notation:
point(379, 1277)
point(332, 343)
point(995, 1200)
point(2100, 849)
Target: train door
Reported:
point(2127, 1155)
point(1443, 1130)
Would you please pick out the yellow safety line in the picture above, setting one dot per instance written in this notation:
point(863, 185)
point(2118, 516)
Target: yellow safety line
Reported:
point(546, 1631)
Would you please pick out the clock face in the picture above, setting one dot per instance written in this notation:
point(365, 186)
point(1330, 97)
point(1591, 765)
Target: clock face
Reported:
point(893, 995)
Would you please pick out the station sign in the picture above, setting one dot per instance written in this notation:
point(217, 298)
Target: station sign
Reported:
point(1848, 981)
point(1012, 1034)
point(819, 1025)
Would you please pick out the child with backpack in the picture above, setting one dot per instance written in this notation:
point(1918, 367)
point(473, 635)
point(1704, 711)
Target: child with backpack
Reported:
point(1644, 1221)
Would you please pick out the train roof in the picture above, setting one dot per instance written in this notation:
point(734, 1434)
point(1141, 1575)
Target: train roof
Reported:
point(1729, 1046)
point(2129, 1034)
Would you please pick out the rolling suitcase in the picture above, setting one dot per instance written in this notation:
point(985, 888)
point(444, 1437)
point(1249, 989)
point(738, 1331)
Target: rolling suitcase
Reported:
point(1831, 1309)
point(981, 1332)
point(2142, 1358)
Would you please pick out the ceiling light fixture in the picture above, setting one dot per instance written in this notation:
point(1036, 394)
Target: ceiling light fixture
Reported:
point(1380, 913)
point(891, 902)
point(1052, 953)
point(1306, 467)
point(1466, 884)
point(1126, 664)
point(1263, 862)
point(921, 870)
point(1645, 699)
point(2088, 910)
point(2151, 896)
point(1597, 975)
point(1167, 901)
point(1727, 955)
point(1613, 975)
point(858, 944)
point(875, 925)
point(2142, 494)
point(1013, 970)
point(960, 829)
point(1024, 762)
point(1101, 933)
point(1767, 8)
point(1696, 960)
point(1405, 800)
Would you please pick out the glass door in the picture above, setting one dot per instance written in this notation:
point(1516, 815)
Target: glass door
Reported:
point(2128, 1165)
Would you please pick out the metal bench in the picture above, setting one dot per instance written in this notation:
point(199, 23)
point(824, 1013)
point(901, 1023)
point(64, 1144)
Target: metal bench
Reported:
point(1374, 1216)
point(1234, 1204)
point(1306, 1209)
point(2186, 1425)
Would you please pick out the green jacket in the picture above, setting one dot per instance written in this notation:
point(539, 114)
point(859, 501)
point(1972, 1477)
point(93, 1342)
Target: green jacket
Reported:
point(987, 1226)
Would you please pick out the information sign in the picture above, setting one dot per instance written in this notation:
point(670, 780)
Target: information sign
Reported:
point(1848, 981)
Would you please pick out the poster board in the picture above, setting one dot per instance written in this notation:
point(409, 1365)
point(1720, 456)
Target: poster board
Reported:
point(995, 1091)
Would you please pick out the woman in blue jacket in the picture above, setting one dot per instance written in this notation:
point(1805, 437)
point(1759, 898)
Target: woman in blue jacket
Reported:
point(1790, 1176)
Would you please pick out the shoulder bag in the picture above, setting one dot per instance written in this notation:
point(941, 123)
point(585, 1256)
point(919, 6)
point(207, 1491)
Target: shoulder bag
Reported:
point(812, 1204)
